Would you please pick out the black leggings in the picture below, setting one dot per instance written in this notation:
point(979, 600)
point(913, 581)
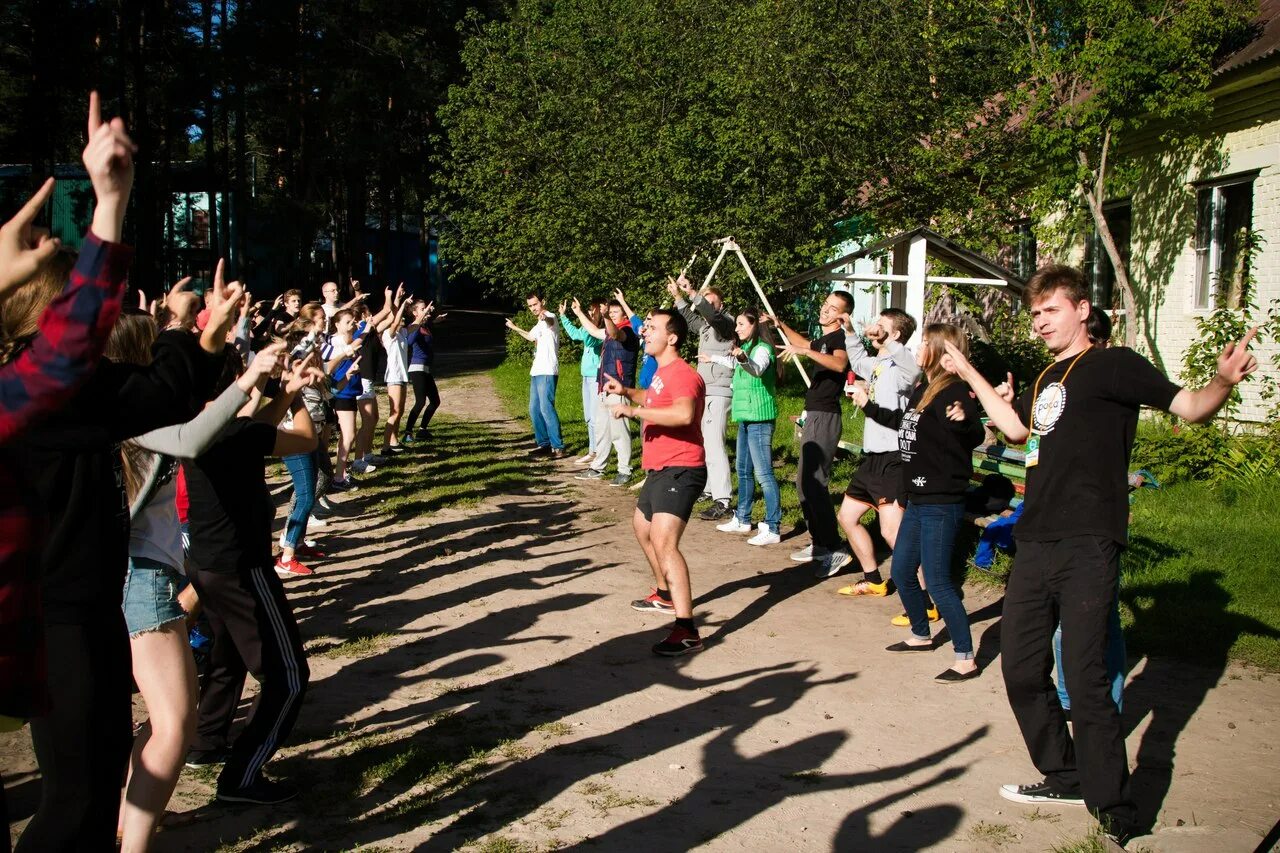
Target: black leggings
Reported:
point(424, 389)
point(83, 744)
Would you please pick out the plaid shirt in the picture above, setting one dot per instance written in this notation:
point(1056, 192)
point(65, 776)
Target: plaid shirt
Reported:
point(73, 333)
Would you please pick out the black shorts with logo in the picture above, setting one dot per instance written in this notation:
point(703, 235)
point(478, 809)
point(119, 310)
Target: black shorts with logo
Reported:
point(671, 490)
point(878, 480)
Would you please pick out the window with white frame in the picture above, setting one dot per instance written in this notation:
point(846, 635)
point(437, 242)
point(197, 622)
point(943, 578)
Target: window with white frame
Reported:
point(1224, 222)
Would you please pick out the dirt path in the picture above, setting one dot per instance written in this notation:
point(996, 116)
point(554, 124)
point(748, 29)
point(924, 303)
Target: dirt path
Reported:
point(477, 676)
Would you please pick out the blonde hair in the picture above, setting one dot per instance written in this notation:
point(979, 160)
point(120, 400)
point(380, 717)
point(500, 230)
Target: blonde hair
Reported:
point(936, 335)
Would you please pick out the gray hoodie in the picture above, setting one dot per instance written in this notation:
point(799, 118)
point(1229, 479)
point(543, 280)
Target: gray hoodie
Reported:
point(890, 376)
point(716, 336)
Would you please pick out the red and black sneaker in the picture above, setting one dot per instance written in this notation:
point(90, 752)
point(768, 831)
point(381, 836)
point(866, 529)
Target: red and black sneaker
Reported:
point(305, 550)
point(291, 568)
point(681, 641)
point(653, 602)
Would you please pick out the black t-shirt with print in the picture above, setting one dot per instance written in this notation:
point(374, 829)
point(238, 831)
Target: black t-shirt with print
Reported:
point(937, 452)
point(1086, 429)
point(231, 509)
point(827, 386)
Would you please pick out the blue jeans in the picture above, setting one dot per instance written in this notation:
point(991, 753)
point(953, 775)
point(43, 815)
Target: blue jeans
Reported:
point(755, 465)
point(542, 412)
point(1115, 661)
point(589, 409)
point(925, 539)
point(302, 469)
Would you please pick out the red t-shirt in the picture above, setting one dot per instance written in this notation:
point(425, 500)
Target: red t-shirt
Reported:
point(665, 446)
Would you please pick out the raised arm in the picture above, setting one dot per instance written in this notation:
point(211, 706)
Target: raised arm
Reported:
point(1234, 364)
point(721, 322)
point(75, 326)
point(519, 331)
point(998, 408)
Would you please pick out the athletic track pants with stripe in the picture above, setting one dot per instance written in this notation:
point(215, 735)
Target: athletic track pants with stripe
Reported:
point(253, 632)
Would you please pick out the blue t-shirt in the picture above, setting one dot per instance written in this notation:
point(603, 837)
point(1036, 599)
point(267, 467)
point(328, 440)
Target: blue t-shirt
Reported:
point(649, 365)
point(353, 388)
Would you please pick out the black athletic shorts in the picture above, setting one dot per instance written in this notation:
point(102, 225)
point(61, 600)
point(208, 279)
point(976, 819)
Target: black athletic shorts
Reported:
point(671, 490)
point(878, 480)
point(344, 404)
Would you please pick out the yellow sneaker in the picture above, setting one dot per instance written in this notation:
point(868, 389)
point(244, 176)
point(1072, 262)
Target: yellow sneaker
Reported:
point(901, 620)
point(865, 588)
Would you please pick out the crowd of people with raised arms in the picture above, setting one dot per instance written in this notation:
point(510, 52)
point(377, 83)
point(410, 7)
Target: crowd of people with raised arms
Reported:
point(923, 419)
point(134, 435)
point(134, 498)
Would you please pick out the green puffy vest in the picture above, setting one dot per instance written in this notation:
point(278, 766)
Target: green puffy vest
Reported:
point(753, 396)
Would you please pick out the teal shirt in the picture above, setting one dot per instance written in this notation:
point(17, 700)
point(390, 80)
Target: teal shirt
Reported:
point(591, 346)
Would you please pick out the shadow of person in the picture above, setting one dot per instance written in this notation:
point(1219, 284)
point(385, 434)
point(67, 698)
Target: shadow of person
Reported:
point(1182, 667)
point(737, 788)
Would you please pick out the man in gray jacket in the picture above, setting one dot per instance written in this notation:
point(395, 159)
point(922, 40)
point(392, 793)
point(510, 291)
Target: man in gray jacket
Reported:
point(890, 374)
point(705, 314)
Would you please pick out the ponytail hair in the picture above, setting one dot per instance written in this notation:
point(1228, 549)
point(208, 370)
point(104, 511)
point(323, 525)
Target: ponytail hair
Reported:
point(938, 377)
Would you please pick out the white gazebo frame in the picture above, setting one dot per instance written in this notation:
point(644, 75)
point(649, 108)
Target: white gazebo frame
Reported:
point(911, 251)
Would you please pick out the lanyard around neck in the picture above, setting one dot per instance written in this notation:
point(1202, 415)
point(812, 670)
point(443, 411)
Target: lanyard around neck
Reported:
point(1035, 391)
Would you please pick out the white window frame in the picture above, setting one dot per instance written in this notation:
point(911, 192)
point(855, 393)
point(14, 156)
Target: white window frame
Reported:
point(1218, 209)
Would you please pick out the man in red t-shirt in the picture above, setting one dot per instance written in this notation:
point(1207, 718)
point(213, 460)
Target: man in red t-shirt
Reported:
point(675, 464)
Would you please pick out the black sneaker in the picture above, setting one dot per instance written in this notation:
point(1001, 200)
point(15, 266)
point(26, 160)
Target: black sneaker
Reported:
point(681, 641)
point(718, 511)
point(1040, 792)
point(264, 792)
point(323, 508)
point(620, 480)
point(205, 758)
point(541, 450)
point(589, 474)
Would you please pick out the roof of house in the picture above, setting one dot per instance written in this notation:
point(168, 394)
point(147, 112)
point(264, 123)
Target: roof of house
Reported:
point(1265, 43)
point(953, 255)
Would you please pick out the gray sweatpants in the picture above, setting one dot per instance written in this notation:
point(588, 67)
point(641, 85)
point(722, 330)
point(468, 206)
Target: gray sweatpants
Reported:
point(715, 416)
point(611, 432)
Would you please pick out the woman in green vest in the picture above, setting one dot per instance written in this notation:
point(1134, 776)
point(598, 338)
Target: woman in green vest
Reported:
point(755, 408)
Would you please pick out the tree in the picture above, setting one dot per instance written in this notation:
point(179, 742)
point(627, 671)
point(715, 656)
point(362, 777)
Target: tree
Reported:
point(595, 143)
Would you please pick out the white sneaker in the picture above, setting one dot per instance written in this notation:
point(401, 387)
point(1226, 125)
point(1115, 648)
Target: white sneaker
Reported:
point(734, 526)
point(363, 466)
point(312, 521)
point(765, 536)
point(804, 555)
point(585, 460)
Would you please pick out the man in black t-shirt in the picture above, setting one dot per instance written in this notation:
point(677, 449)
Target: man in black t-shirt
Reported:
point(1079, 420)
point(821, 432)
point(230, 565)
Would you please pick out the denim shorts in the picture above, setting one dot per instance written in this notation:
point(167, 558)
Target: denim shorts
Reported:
point(151, 596)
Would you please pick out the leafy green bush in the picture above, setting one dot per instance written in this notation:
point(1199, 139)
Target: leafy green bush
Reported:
point(519, 350)
point(1176, 453)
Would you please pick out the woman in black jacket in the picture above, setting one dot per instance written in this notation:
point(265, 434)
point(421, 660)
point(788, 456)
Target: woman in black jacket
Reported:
point(936, 436)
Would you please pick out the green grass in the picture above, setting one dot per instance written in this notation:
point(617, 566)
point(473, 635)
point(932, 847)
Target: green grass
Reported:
point(511, 380)
point(356, 647)
point(992, 834)
point(1199, 580)
point(463, 463)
